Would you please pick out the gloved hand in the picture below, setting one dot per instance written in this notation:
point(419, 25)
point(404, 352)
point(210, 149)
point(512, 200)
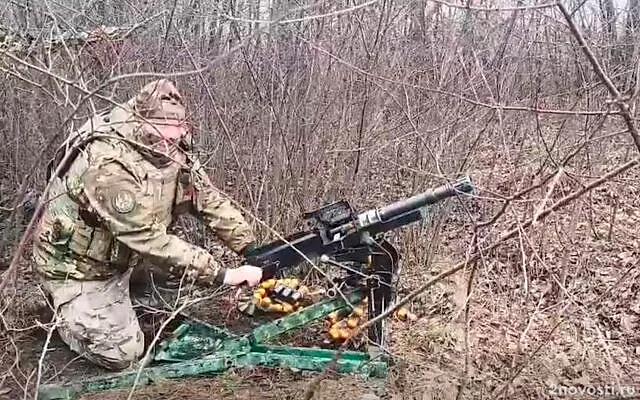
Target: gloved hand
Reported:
point(246, 273)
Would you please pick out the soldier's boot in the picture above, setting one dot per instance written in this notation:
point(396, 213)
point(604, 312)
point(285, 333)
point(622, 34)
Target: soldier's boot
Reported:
point(152, 289)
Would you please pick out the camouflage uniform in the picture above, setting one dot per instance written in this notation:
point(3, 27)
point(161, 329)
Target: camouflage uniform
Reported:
point(109, 208)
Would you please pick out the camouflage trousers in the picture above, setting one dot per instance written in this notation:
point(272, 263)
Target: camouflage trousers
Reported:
point(96, 319)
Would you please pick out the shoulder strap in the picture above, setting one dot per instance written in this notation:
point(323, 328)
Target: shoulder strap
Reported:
point(76, 142)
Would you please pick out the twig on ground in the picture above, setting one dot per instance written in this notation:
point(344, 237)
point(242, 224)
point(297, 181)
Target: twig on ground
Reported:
point(546, 197)
point(50, 331)
point(467, 317)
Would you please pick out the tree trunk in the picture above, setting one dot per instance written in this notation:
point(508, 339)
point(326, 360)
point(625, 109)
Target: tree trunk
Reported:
point(631, 34)
point(609, 21)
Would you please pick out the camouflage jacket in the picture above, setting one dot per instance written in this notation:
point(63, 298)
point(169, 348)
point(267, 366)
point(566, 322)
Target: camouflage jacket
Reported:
point(112, 205)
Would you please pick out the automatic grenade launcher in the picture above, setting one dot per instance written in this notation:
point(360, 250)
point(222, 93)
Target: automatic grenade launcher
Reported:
point(356, 244)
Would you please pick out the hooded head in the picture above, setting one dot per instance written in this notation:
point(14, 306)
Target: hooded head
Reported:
point(155, 114)
point(161, 106)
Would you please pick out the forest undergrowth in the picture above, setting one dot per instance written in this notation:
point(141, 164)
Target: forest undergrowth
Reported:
point(369, 103)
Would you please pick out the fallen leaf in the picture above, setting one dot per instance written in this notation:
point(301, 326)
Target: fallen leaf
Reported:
point(627, 323)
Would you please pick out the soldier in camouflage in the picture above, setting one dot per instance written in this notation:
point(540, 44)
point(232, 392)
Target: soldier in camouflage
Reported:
point(110, 206)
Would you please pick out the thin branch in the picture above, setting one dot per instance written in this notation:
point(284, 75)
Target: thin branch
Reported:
point(549, 191)
point(44, 352)
point(492, 9)
point(308, 18)
point(513, 197)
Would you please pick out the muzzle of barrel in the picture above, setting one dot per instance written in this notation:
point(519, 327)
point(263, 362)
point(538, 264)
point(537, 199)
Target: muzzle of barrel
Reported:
point(429, 197)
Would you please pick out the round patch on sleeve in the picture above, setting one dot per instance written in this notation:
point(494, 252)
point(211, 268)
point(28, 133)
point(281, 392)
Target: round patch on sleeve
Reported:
point(123, 202)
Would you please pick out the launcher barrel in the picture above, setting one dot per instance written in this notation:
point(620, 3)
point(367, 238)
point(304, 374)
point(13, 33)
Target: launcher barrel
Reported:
point(429, 197)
